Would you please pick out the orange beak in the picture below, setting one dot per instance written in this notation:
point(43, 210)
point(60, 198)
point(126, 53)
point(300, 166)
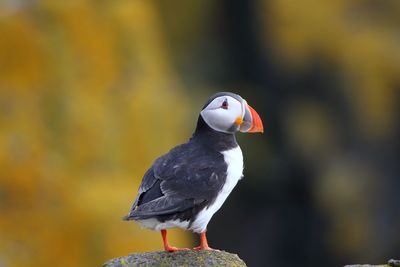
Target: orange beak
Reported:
point(251, 121)
point(257, 125)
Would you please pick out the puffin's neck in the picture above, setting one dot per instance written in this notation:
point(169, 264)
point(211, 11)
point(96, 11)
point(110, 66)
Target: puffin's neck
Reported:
point(216, 140)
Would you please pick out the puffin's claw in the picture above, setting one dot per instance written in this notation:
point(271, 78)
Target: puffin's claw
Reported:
point(174, 249)
point(204, 248)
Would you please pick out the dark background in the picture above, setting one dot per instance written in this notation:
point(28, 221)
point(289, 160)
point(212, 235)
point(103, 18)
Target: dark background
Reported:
point(321, 188)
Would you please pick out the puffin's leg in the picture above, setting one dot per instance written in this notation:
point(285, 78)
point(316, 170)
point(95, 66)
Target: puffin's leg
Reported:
point(167, 247)
point(203, 242)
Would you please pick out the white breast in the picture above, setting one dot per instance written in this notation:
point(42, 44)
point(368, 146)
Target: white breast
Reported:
point(234, 160)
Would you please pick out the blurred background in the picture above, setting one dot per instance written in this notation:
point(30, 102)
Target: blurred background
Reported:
point(91, 92)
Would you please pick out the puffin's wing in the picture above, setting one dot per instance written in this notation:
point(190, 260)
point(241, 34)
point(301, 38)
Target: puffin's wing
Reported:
point(149, 183)
point(160, 206)
point(186, 176)
point(191, 171)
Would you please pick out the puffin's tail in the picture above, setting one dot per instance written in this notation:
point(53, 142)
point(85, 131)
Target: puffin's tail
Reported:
point(127, 218)
point(133, 215)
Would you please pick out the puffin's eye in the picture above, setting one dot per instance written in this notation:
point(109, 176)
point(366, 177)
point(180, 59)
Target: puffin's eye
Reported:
point(225, 104)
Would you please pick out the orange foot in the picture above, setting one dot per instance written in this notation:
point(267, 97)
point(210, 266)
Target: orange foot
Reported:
point(173, 249)
point(203, 248)
point(167, 247)
point(203, 243)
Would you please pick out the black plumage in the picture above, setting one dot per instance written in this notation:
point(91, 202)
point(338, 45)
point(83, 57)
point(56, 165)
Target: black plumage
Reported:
point(185, 180)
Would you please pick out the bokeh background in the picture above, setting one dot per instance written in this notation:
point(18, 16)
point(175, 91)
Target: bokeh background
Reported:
point(91, 92)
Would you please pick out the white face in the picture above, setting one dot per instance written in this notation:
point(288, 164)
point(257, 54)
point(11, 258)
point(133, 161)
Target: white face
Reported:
point(222, 113)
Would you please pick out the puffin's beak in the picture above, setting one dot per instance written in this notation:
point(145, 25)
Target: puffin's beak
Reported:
point(251, 121)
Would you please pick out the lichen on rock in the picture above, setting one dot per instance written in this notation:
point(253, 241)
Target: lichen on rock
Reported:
point(390, 263)
point(179, 258)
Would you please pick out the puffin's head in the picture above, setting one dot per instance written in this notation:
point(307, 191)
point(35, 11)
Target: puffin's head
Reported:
point(228, 112)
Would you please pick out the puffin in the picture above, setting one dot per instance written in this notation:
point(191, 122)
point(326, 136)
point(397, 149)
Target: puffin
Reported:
point(185, 187)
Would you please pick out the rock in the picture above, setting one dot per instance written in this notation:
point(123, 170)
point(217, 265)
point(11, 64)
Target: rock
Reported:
point(366, 265)
point(179, 258)
point(391, 263)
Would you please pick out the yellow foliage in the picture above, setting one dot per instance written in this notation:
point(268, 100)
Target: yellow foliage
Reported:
point(351, 35)
point(84, 110)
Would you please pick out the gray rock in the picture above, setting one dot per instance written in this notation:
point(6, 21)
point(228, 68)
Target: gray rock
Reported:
point(390, 263)
point(179, 258)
